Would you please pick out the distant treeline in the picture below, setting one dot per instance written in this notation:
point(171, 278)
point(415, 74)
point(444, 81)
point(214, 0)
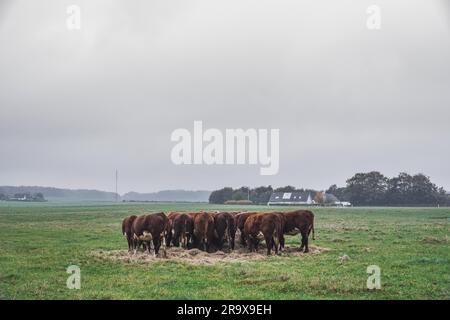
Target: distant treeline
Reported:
point(36, 197)
point(363, 189)
point(260, 195)
point(169, 196)
point(58, 194)
point(51, 193)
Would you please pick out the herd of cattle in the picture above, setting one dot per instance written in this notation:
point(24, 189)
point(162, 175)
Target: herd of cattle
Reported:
point(206, 230)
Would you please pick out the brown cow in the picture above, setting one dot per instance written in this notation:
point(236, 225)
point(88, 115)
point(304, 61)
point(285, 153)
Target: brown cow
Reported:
point(240, 221)
point(169, 234)
point(268, 225)
point(193, 214)
point(150, 227)
point(225, 229)
point(126, 230)
point(301, 221)
point(166, 223)
point(283, 222)
point(183, 229)
point(203, 230)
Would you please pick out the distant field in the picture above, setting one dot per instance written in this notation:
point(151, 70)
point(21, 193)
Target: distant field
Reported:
point(38, 241)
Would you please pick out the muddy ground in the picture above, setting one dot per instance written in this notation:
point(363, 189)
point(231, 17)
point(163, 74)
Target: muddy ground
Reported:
point(198, 257)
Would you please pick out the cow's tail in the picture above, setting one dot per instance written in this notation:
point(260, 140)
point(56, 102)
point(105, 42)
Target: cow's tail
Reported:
point(183, 234)
point(277, 235)
point(227, 230)
point(275, 239)
point(312, 229)
point(205, 232)
point(164, 243)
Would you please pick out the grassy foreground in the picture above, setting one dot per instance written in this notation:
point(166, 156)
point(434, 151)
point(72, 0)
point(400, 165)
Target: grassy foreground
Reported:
point(38, 241)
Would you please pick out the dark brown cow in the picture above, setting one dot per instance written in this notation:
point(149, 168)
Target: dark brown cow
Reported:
point(126, 230)
point(150, 227)
point(203, 230)
point(240, 219)
point(183, 229)
point(166, 223)
point(193, 214)
point(269, 225)
point(301, 221)
point(225, 229)
point(169, 234)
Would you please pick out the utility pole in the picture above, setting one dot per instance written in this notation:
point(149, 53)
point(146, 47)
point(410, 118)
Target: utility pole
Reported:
point(117, 178)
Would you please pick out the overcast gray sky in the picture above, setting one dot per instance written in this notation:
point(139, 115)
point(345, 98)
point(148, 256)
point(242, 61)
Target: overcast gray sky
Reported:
point(76, 105)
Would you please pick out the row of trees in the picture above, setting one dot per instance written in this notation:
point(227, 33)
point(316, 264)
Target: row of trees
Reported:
point(259, 195)
point(23, 197)
point(363, 189)
point(373, 188)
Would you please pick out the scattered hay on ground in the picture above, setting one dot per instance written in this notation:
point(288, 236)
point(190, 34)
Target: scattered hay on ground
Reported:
point(435, 240)
point(198, 257)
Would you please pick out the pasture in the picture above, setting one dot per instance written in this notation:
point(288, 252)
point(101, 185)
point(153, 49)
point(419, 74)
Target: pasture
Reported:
point(38, 241)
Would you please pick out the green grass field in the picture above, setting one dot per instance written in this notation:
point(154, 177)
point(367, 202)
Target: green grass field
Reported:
point(39, 241)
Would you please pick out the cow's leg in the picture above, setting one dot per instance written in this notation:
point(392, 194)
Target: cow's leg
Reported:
point(250, 244)
point(269, 244)
point(194, 241)
point(132, 243)
point(242, 239)
point(138, 244)
point(220, 242)
point(302, 240)
point(306, 244)
point(168, 237)
point(156, 245)
point(176, 239)
point(164, 247)
point(256, 244)
point(135, 243)
point(129, 243)
point(183, 240)
point(179, 238)
point(227, 237)
point(188, 241)
point(276, 243)
point(304, 235)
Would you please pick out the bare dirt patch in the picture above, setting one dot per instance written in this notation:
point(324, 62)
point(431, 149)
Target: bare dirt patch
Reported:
point(198, 257)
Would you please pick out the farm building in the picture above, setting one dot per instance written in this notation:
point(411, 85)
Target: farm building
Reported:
point(290, 198)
